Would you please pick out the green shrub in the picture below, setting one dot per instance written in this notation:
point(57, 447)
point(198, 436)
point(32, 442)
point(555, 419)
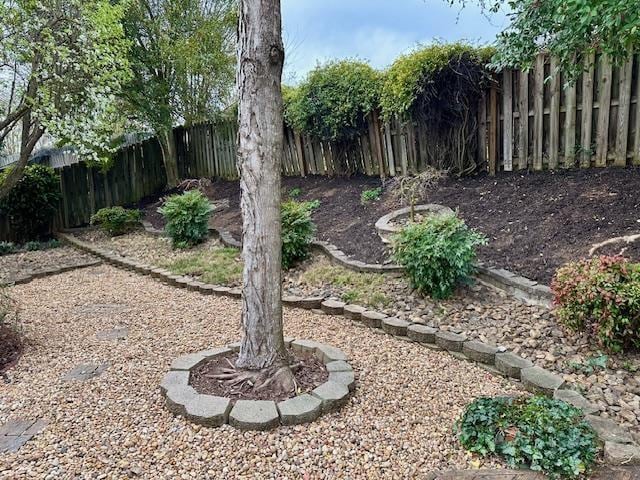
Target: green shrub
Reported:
point(601, 298)
point(371, 195)
point(334, 99)
point(7, 248)
point(297, 231)
point(32, 203)
point(437, 254)
point(187, 217)
point(116, 220)
point(34, 246)
point(295, 192)
point(539, 433)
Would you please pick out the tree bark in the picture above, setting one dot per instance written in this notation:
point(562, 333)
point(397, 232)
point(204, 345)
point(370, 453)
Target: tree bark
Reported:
point(260, 150)
point(169, 157)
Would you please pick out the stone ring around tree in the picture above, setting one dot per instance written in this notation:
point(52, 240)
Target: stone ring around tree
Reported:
point(325, 382)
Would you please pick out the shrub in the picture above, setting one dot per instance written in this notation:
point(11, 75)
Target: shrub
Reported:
point(32, 203)
point(116, 220)
point(334, 99)
point(369, 196)
point(600, 297)
point(7, 248)
point(297, 231)
point(187, 217)
point(295, 192)
point(437, 254)
point(539, 433)
point(35, 246)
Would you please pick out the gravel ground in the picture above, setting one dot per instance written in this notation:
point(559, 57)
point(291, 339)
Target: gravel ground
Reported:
point(24, 263)
point(397, 425)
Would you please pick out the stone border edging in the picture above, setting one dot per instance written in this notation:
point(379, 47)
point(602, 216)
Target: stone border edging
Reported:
point(212, 411)
point(619, 445)
point(385, 229)
point(47, 272)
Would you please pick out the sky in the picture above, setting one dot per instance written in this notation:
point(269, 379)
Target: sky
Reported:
point(375, 30)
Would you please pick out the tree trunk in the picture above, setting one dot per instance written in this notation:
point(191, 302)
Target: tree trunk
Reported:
point(260, 150)
point(169, 157)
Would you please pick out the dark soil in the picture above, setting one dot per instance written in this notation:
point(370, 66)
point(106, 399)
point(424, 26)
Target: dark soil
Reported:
point(535, 222)
point(10, 347)
point(310, 375)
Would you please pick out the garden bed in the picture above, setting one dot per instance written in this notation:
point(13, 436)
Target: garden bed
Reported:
point(535, 222)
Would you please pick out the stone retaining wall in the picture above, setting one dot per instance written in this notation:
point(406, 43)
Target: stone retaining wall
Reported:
point(619, 446)
point(46, 272)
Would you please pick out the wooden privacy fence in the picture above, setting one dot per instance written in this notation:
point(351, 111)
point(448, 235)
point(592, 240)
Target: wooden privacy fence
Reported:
point(526, 120)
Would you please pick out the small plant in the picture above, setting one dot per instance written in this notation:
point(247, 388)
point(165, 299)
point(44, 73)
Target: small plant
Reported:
point(187, 217)
point(539, 433)
point(297, 231)
point(295, 193)
point(116, 220)
point(437, 254)
point(32, 202)
point(590, 364)
point(409, 189)
point(32, 246)
point(7, 247)
point(370, 196)
point(601, 298)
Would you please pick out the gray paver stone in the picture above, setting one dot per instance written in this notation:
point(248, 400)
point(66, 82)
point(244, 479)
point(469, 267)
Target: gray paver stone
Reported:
point(332, 307)
point(301, 409)
point(15, 426)
point(539, 380)
point(608, 430)
point(345, 378)
point(372, 318)
point(511, 364)
point(395, 326)
point(338, 366)
point(574, 398)
point(621, 454)
point(480, 352)
point(328, 353)
point(175, 378)
point(187, 362)
point(307, 346)
point(450, 341)
point(234, 347)
point(254, 415)
point(10, 444)
point(353, 312)
point(310, 303)
point(332, 394)
point(208, 410)
point(119, 333)
point(178, 396)
point(214, 352)
point(421, 333)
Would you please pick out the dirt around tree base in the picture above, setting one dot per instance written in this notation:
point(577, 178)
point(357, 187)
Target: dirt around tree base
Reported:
point(10, 347)
point(310, 375)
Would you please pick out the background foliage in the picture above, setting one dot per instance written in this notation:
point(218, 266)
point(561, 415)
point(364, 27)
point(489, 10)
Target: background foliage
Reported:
point(332, 102)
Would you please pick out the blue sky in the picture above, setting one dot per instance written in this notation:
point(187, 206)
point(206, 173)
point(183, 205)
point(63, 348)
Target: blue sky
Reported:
point(375, 30)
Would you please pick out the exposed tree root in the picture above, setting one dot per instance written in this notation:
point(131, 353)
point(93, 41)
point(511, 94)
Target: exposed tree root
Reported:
point(627, 239)
point(279, 379)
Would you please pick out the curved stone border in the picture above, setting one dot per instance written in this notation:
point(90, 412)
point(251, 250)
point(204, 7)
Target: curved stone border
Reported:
point(47, 272)
point(496, 360)
point(211, 411)
point(386, 229)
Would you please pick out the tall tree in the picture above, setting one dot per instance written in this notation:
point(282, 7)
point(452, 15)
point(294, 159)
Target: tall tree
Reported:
point(62, 62)
point(263, 359)
point(182, 56)
point(568, 30)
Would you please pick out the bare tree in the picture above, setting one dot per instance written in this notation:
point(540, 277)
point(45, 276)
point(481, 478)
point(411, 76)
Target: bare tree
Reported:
point(263, 359)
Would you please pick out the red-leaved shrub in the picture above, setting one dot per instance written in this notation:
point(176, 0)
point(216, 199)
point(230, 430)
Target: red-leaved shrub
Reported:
point(601, 297)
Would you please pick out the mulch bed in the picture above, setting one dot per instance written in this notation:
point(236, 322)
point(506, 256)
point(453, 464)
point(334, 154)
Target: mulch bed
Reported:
point(10, 347)
point(310, 375)
point(535, 222)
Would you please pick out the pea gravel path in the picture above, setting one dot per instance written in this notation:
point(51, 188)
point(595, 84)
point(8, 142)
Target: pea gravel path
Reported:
point(397, 424)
